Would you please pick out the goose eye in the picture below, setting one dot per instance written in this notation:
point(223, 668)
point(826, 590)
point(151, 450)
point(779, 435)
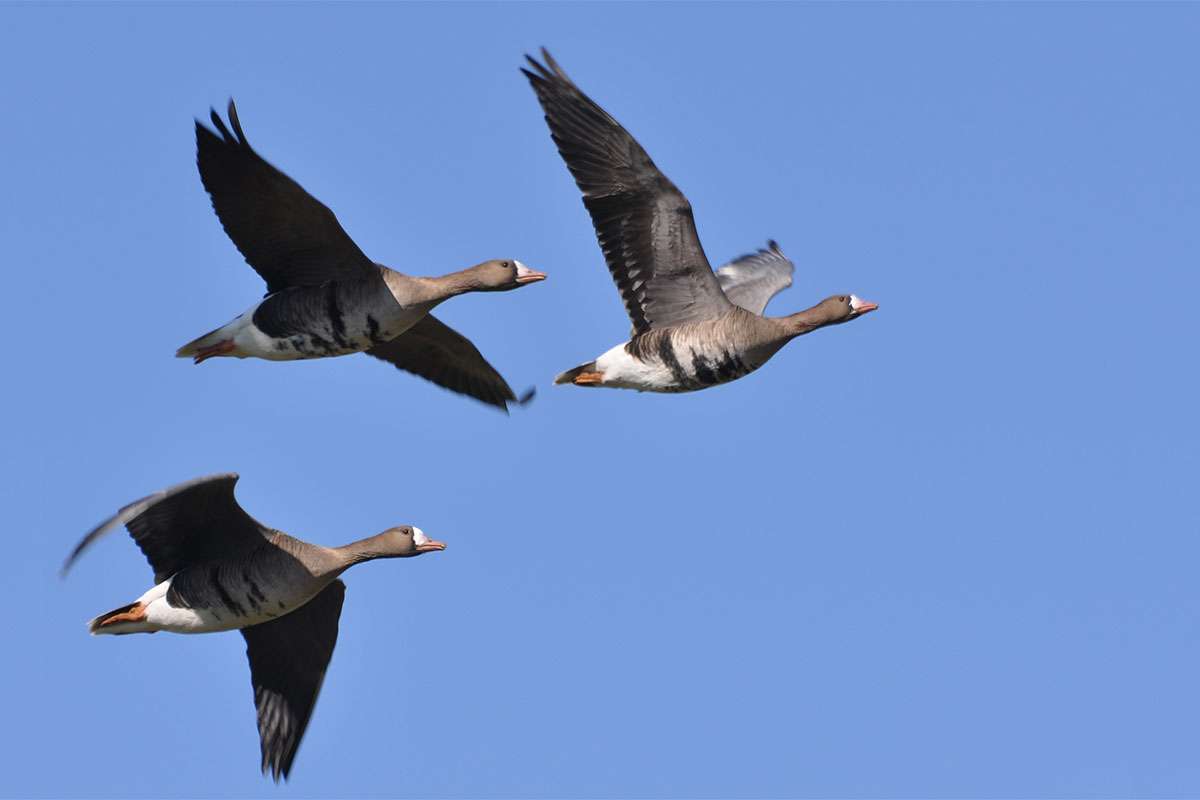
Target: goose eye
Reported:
point(504, 264)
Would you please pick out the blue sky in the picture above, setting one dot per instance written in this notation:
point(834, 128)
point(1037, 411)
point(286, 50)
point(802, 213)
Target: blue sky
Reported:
point(947, 550)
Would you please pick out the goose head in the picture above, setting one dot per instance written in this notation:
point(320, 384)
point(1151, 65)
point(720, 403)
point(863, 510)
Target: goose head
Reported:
point(842, 308)
point(830, 311)
point(405, 541)
point(502, 275)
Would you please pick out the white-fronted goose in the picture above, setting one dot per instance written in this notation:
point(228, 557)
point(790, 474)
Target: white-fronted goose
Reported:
point(691, 328)
point(216, 568)
point(324, 296)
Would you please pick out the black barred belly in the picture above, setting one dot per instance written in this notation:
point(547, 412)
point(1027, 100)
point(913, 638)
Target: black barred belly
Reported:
point(690, 370)
point(722, 368)
point(719, 368)
point(314, 323)
point(234, 595)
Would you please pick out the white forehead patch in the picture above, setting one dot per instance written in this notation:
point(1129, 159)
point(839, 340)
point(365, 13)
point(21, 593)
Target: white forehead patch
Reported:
point(856, 302)
point(419, 536)
point(519, 264)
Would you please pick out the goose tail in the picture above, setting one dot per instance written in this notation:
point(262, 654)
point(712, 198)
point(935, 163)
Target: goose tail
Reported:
point(219, 342)
point(126, 619)
point(570, 375)
point(192, 349)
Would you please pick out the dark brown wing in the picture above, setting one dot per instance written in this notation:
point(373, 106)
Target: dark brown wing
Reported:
point(438, 353)
point(288, 657)
point(189, 523)
point(286, 234)
point(644, 224)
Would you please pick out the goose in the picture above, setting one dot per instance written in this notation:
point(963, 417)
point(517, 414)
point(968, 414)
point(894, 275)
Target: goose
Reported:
point(692, 328)
point(324, 296)
point(216, 568)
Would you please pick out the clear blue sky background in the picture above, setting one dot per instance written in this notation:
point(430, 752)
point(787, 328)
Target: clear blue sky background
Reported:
point(950, 549)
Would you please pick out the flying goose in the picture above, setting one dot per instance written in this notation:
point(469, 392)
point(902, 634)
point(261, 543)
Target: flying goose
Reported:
point(324, 296)
point(692, 329)
point(216, 568)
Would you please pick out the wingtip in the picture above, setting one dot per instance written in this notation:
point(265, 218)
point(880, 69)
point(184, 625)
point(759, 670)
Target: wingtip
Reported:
point(76, 551)
point(554, 66)
point(547, 71)
point(219, 124)
point(524, 399)
point(277, 768)
point(236, 123)
point(237, 137)
point(539, 74)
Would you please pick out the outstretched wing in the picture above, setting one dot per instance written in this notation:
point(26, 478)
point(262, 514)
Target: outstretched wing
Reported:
point(190, 523)
point(750, 281)
point(438, 353)
point(643, 222)
point(286, 234)
point(288, 657)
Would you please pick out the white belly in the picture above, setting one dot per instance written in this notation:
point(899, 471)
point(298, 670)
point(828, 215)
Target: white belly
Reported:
point(623, 371)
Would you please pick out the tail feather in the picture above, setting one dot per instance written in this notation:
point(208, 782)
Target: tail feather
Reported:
point(102, 624)
point(570, 375)
point(193, 348)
